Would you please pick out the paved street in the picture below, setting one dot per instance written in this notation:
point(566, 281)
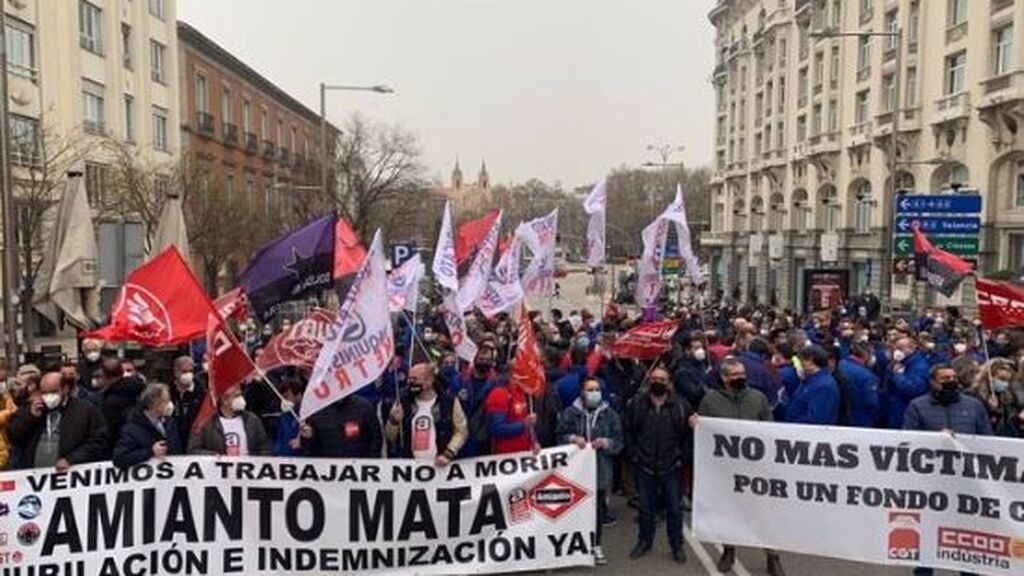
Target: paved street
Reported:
point(701, 558)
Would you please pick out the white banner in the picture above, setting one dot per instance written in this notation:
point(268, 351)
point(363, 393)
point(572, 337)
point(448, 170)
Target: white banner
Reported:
point(444, 267)
point(829, 247)
point(360, 343)
point(456, 323)
point(504, 290)
point(404, 285)
point(596, 205)
point(776, 247)
point(887, 497)
point(540, 235)
point(685, 241)
point(648, 282)
point(479, 273)
point(277, 516)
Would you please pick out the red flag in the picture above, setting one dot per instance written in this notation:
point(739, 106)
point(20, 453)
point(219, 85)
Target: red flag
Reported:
point(941, 269)
point(229, 366)
point(299, 345)
point(471, 235)
point(645, 342)
point(527, 369)
point(1000, 304)
point(161, 304)
point(348, 252)
point(233, 304)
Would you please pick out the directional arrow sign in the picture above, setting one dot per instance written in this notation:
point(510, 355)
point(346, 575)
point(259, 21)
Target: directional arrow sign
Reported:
point(957, 245)
point(911, 204)
point(908, 266)
point(939, 225)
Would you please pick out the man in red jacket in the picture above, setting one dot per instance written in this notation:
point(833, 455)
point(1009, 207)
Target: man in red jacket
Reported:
point(510, 420)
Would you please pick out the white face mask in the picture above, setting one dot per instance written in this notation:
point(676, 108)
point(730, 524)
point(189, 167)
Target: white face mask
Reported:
point(51, 400)
point(899, 355)
point(238, 404)
point(206, 366)
point(188, 380)
point(92, 356)
point(168, 410)
point(960, 348)
point(700, 354)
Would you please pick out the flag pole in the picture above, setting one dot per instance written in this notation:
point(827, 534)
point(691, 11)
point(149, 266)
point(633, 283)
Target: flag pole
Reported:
point(266, 380)
point(419, 341)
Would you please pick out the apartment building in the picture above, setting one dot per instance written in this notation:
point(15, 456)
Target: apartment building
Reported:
point(82, 73)
point(804, 133)
point(247, 135)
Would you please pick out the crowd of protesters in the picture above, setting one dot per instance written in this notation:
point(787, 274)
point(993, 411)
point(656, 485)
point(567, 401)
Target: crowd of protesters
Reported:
point(853, 366)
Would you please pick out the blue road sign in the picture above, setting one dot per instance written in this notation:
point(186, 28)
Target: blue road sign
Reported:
point(947, 204)
point(939, 225)
point(401, 252)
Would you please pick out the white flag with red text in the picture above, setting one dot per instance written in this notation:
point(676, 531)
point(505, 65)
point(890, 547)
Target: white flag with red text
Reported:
point(360, 343)
point(444, 267)
point(541, 236)
point(464, 346)
point(404, 285)
point(504, 290)
point(479, 273)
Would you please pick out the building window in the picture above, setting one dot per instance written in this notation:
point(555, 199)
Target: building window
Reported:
point(202, 95)
point(816, 120)
point(292, 141)
point(24, 140)
point(126, 46)
point(864, 207)
point(265, 126)
point(833, 116)
point(833, 74)
point(801, 129)
point(1018, 198)
point(227, 111)
point(891, 24)
point(861, 113)
point(229, 188)
point(156, 8)
point(280, 133)
point(246, 116)
point(863, 53)
point(911, 98)
point(157, 61)
point(160, 128)
point(94, 117)
point(957, 14)
point(1016, 252)
point(866, 8)
point(913, 22)
point(888, 92)
point(21, 52)
point(956, 67)
point(90, 27)
point(95, 183)
point(837, 14)
point(129, 118)
point(1002, 50)
point(819, 69)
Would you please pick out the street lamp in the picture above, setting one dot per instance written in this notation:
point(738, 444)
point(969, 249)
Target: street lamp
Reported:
point(379, 89)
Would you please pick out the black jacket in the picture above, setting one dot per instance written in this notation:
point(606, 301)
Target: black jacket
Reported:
point(118, 400)
point(186, 407)
point(547, 408)
point(346, 429)
point(83, 433)
point(655, 438)
point(691, 379)
point(135, 445)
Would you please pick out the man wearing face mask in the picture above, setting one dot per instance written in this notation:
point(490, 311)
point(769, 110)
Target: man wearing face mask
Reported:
point(118, 395)
point(89, 362)
point(232, 431)
point(816, 401)
point(737, 401)
point(471, 388)
point(655, 432)
point(590, 421)
point(428, 422)
point(862, 385)
point(907, 378)
point(692, 370)
point(187, 394)
point(946, 409)
point(55, 430)
point(151, 431)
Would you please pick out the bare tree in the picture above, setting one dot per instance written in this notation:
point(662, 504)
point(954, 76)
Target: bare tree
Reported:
point(137, 187)
point(381, 179)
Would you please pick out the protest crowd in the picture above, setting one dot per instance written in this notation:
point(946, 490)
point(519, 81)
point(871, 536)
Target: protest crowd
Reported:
point(635, 405)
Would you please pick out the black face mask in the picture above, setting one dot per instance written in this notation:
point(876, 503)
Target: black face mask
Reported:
point(415, 389)
point(948, 394)
point(659, 388)
point(738, 383)
point(483, 366)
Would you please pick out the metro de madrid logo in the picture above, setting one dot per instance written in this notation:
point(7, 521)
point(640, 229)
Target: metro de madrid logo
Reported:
point(555, 496)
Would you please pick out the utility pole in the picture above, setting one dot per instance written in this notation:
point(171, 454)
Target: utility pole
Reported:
point(10, 275)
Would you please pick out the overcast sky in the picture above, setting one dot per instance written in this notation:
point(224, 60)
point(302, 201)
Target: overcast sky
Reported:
point(561, 90)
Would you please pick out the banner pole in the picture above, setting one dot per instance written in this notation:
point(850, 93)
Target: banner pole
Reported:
point(263, 377)
point(416, 337)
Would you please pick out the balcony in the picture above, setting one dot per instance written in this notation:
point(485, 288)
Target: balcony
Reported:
point(230, 133)
point(25, 155)
point(860, 134)
point(269, 149)
point(1000, 5)
point(204, 123)
point(284, 155)
point(252, 144)
point(952, 107)
point(956, 32)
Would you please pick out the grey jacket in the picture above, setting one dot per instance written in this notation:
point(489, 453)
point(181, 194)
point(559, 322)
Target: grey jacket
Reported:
point(746, 404)
point(965, 416)
point(602, 422)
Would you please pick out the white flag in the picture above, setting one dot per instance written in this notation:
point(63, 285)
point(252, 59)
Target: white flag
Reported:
point(648, 278)
point(504, 290)
point(540, 235)
point(476, 279)
point(596, 205)
point(360, 343)
point(456, 322)
point(404, 285)
point(444, 267)
point(678, 215)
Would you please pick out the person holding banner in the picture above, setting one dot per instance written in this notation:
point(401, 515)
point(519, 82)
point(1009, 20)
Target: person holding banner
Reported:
point(591, 421)
point(150, 431)
point(736, 400)
point(426, 423)
point(655, 432)
point(233, 431)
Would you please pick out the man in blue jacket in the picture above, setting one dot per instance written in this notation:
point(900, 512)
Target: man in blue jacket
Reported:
point(817, 399)
point(908, 379)
point(862, 385)
point(760, 374)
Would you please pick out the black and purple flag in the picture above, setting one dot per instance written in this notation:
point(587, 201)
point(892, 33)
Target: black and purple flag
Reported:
point(293, 266)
